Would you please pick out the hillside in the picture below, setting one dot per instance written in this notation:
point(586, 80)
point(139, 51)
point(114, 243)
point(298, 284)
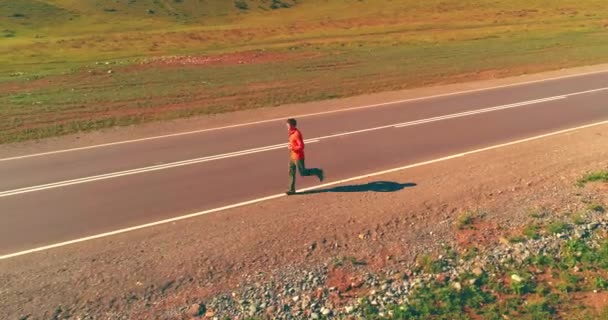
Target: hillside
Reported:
point(50, 29)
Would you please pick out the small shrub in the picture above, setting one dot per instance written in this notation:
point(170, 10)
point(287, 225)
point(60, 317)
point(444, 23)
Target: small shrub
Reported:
point(429, 265)
point(18, 15)
point(8, 33)
point(600, 284)
point(604, 313)
point(579, 253)
point(425, 261)
point(337, 261)
point(517, 239)
point(599, 176)
point(602, 255)
point(442, 301)
point(569, 282)
point(531, 232)
point(356, 262)
point(471, 254)
point(578, 219)
point(465, 221)
point(280, 4)
point(543, 261)
point(557, 227)
point(513, 303)
point(537, 213)
point(523, 287)
point(540, 310)
point(369, 310)
point(542, 289)
point(596, 207)
point(241, 4)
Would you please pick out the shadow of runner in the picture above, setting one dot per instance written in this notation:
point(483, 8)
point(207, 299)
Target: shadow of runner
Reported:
point(376, 186)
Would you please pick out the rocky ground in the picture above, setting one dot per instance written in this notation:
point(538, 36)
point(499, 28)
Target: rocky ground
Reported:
point(345, 288)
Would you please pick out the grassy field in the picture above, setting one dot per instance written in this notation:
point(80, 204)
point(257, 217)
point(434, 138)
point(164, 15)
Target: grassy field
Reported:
point(81, 65)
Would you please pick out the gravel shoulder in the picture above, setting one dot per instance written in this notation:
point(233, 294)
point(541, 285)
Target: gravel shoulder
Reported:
point(153, 273)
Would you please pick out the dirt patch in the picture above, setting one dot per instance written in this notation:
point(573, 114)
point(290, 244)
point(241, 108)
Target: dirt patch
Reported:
point(344, 284)
point(480, 234)
point(30, 85)
point(249, 57)
point(597, 301)
point(66, 81)
point(490, 74)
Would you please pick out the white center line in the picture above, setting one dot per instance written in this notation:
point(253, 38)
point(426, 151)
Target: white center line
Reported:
point(468, 113)
point(145, 169)
point(170, 165)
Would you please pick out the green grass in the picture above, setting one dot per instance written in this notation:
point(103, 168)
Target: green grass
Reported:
point(465, 220)
point(579, 219)
point(599, 176)
point(517, 239)
point(531, 298)
point(537, 214)
point(429, 265)
point(568, 282)
point(596, 207)
point(557, 227)
point(523, 287)
point(51, 84)
point(532, 232)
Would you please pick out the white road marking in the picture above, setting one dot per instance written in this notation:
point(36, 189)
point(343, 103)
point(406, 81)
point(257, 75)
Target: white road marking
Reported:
point(585, 92)
point(276, 196)
point(468, 113)
point(142, 170)
point(256, 150)
point(302, 116)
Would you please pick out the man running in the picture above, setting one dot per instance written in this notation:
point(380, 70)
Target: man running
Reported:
point(296, 146)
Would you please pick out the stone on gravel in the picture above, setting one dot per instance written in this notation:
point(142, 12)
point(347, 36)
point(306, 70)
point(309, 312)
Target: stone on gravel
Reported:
point(270, 310)
point(457, 286)
point(516, 278)
point(325, 311)
point(253, 310)
point(477, 271)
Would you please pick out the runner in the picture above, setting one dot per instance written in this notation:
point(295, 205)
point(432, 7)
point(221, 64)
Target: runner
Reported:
point(296, 146)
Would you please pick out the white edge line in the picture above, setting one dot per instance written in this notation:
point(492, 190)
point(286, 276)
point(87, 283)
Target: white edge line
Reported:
point(276, 196)
point(307, 115)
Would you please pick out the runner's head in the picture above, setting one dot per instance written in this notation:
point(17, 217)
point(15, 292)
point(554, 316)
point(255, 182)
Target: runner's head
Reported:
point(291, 123)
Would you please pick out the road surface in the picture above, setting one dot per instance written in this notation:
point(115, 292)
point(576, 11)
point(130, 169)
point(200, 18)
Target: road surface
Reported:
point(51, 198)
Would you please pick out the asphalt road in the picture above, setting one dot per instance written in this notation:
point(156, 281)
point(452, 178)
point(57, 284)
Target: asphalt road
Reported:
point(51, 198)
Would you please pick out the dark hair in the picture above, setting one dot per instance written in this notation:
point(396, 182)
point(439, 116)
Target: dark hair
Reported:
point(292, 122)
